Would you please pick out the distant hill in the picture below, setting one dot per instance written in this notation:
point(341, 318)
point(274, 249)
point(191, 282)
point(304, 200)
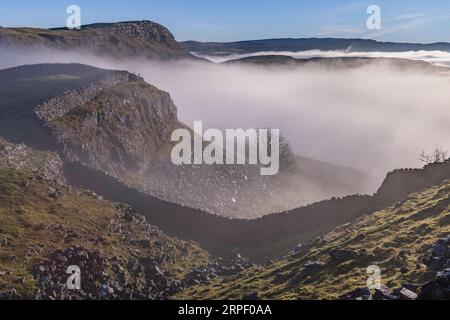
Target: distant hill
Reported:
point(109, 128)
point(303, 44)
point(46, 226)
point(334, 63)
point(129, 39)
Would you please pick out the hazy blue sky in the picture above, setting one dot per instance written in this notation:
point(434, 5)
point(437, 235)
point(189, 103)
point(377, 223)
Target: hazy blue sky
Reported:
point(213, 20)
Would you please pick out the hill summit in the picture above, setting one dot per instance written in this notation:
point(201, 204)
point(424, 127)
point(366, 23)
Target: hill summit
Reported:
point(120, 40)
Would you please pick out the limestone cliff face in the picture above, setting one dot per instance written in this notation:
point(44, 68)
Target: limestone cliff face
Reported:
point(119, 125)
point(131, 39)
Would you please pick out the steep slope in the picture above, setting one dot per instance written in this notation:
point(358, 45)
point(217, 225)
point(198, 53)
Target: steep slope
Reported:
point(112, 131)
point(46, 226)
point(401, 182)
point(409, 242)
point(131, 39)
point(339, 63)
point(115, 123)
point(21, 157)
point(23, 88)
point(313, 181)
point(265, 238)
point(122, 126)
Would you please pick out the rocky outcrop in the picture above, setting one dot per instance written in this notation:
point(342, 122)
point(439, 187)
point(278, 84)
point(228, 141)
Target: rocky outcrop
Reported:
point(60, 105)
point(123, 40)
point(338, 63)
point(119, 125)
point(439, 262)
point(304, 44)
point(21, 157)
point(399, 183)
point(436, 289)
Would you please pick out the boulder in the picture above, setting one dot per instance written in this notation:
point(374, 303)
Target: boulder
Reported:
point(358, 294)
point(432, 291)
point(301, 248)
point(439, 250)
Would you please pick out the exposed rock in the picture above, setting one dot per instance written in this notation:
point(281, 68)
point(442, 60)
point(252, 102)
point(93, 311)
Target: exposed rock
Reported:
point(20, 157)
point(439, 287)
point(10, 295)
point(439, 250)
point(443, 278)
point(133, 39)
point(433, 291)
point(383, 293)
point(439, 255)
point(399, 183)
point(145, 243)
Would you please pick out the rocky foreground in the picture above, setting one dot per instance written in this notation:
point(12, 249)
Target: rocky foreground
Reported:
point(123, 40)
point(409, 242)
point(47, 226)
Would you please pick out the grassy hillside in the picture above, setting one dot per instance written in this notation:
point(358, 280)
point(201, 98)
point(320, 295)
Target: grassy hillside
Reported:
point(132, 39)
point(22, 89)
point(397, 239)
point(339, 63)
point(43, 222)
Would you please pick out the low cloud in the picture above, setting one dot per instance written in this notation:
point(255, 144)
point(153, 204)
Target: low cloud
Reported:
point(374, 118)
point(435, 57)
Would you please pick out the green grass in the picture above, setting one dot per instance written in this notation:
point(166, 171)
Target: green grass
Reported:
point(414, 225)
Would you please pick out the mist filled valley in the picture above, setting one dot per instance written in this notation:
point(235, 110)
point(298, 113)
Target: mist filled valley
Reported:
point(91, 124)
point(373, 117)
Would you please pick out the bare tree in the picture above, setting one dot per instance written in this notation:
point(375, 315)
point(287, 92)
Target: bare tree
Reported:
point(287, 157)
point(436, 156)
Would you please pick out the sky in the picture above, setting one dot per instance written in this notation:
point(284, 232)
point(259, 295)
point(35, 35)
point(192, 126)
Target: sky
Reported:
point(233, 20)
